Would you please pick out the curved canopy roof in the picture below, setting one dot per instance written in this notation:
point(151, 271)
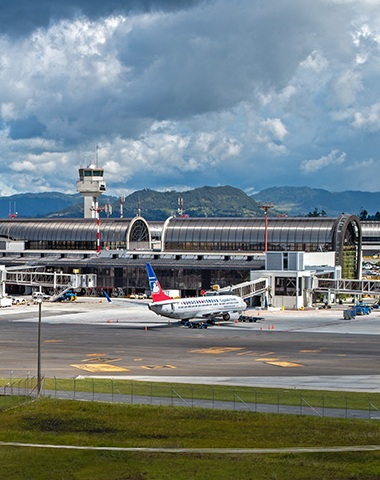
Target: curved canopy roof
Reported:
point(76, 230)
point(281, 231)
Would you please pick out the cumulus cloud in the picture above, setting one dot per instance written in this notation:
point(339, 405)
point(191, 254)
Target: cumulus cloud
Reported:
point(186, 92)
point(333, 158)
point(368, 118)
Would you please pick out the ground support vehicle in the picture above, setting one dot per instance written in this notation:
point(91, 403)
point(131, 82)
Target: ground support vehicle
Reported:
point(349, 314)
point(246, 318)
point(362, 309)
point(68, 296)
point(195, 324)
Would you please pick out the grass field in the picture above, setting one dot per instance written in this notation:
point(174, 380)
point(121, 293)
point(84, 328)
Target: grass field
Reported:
point(65, 422)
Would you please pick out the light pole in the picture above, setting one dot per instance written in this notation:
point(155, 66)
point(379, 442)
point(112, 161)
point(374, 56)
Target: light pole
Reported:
point(39, 302)
point(266, 208)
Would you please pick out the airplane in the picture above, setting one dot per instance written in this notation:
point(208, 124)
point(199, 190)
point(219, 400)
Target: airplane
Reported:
point(207, 307)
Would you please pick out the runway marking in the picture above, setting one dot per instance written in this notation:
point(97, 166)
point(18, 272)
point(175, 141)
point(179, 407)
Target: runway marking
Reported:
point(266, 360)
point(156, 367)
point(102, 359)
point(53, 341)
point(217, 350)
point(96, 354)
point(285, 364)
point(99, 367)
point(278, 363)
point(310, 351)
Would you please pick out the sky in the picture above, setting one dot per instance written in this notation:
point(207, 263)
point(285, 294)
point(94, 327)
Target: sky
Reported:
point(179, 94)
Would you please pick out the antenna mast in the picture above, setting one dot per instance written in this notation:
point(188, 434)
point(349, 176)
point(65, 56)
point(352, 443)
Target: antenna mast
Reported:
point(139, 208)
point(180, 206)
point(122, 201)
point(97, 155)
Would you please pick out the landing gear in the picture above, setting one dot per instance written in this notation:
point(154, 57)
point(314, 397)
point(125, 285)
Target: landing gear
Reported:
point(195, 325)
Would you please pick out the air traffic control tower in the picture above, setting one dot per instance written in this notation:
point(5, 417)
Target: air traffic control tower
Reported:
point(91, 185)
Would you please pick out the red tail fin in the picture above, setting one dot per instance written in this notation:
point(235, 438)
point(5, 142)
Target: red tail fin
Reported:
point(154, 285)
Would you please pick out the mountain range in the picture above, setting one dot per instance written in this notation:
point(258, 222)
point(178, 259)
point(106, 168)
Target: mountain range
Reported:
point(206, 201)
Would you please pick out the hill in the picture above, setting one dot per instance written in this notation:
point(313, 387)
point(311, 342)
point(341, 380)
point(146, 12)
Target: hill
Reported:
point(34, 205)
point(206, 201)
point(299, 201)
point(201, 202)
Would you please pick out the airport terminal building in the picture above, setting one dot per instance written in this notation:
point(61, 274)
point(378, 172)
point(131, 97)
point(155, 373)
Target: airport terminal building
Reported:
point(188, 254)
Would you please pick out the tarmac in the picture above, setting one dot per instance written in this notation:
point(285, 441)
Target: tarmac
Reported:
point(313, 320)
point(135, 314)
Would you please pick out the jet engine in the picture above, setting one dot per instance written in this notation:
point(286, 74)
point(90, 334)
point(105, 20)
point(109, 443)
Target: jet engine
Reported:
point(231, 316)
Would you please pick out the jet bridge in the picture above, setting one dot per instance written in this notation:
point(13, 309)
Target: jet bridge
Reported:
point(33, 277)
point(248, 289)
point(342, 286)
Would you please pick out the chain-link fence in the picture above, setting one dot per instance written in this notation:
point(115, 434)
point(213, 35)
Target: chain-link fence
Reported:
point(324, 404)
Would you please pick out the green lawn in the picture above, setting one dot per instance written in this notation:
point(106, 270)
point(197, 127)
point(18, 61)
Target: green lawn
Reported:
point(66, 422)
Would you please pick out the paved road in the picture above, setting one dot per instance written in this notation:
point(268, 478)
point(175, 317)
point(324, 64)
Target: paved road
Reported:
point(313, 349)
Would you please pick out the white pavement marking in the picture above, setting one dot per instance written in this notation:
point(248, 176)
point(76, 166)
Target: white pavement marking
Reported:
point(233, 451)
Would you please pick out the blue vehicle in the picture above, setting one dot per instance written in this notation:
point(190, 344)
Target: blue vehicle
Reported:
point(68, 296)
point(362, 309)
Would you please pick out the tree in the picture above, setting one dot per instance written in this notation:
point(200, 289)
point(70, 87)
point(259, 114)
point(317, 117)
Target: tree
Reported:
point(363, 215)
point(316, 213)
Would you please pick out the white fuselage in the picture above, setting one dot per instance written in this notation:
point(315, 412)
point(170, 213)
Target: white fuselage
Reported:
point(225, 306)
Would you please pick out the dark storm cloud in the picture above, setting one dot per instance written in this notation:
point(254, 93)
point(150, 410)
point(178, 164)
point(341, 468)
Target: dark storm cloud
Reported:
point(251, 92)
point(21, 17)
